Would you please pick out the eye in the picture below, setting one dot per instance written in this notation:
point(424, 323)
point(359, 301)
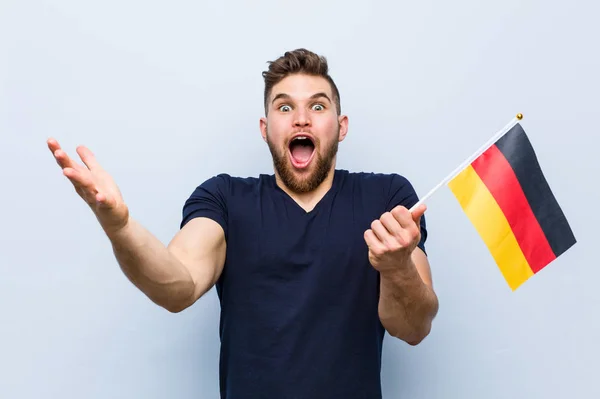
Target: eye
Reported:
point(285, 108)
point(318, 107)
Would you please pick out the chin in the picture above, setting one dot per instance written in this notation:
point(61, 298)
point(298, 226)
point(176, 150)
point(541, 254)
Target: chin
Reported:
point(305, 179)
point(301, 166)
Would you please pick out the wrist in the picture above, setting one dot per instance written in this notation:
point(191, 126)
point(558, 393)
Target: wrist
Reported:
point(400, 269)
point(401, 278)
point(118, 231)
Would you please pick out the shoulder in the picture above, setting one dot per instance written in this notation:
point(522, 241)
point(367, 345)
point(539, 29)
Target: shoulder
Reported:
point(225, 184)
point(391, 188)
point(226, 187)
point(215, 196)
point(388, 182)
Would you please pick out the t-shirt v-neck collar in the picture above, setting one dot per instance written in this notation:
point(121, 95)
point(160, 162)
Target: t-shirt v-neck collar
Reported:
point(331, 192)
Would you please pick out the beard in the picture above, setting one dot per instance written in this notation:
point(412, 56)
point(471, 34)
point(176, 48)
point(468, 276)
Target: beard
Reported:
point(309, 180)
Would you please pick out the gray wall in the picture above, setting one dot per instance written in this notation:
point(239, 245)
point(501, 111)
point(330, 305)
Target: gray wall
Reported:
point(168, 94)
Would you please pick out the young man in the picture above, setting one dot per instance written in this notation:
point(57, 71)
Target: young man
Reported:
point(311, 264)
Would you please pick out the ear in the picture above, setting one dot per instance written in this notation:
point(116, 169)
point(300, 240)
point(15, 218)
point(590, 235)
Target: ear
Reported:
point(343, 121)
point(263, 128)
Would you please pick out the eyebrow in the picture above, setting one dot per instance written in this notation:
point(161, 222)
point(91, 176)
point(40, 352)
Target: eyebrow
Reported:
point(314, 96)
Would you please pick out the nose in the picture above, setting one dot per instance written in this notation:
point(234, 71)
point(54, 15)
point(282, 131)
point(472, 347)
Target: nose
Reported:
point(301, 120)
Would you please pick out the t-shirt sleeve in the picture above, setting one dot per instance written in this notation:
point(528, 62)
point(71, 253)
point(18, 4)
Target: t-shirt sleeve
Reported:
point(403, 193)
point(208, 200)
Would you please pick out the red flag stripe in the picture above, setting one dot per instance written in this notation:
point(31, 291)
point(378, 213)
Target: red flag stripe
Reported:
point(500, 179)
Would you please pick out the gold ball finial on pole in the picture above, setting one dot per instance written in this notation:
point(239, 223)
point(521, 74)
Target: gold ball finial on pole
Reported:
point(519, 116)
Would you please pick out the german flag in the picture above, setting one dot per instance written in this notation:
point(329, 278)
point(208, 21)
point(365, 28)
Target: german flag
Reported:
point(507, 198)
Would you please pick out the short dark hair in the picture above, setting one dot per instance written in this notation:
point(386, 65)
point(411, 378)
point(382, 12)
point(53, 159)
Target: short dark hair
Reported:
point(300, 61)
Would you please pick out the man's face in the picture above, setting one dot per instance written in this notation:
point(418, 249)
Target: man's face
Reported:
point(303, 130)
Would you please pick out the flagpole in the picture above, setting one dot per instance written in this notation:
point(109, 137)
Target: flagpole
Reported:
point(470, 159)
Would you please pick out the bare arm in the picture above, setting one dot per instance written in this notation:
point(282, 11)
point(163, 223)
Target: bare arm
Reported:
point(407, 302)
point(172, 276)
point(175, 276)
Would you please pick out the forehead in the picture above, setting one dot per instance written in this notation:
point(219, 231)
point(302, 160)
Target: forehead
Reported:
point(302, 86)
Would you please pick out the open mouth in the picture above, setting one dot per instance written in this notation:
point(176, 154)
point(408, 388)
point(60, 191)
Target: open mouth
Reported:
point(302, 149)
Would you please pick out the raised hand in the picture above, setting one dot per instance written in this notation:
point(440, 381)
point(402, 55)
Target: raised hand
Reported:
point(393, 237)
point(94, 185)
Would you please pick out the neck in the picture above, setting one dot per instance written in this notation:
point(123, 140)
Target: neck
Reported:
point(310, 199)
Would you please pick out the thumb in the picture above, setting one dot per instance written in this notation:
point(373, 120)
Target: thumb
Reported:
point(418, 212)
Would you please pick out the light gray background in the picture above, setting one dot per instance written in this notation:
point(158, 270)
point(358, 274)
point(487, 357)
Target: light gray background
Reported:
point(168, 94)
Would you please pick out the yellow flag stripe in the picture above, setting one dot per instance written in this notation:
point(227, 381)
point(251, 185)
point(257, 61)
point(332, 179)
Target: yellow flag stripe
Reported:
point(491, 224)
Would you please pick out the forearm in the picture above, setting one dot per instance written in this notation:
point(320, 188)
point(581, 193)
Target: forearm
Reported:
point(407, 305)
point(151, 267)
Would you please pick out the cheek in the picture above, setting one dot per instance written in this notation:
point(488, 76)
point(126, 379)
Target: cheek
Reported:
point(277, 126)
point(330, 128)
point(273, 131)
point(276, 136)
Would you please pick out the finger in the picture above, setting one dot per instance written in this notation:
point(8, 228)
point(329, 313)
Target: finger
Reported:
point(52, 145)
point(401, 236)
point(82, 182)
point(373, 242)
point(410, 228)
point(87, 157)
point(381, 233)
point(60, 156)
point(391, 224)
point(64, 161)
point(57, 153)
point(418, 212)
point(404, 217)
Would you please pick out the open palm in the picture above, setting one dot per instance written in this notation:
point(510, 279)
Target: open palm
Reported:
point(94, 185)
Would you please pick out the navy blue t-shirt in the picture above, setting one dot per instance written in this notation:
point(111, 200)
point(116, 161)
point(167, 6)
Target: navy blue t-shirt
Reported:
point(298, 295)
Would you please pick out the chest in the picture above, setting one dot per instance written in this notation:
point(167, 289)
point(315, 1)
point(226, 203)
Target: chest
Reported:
point(280, 247)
